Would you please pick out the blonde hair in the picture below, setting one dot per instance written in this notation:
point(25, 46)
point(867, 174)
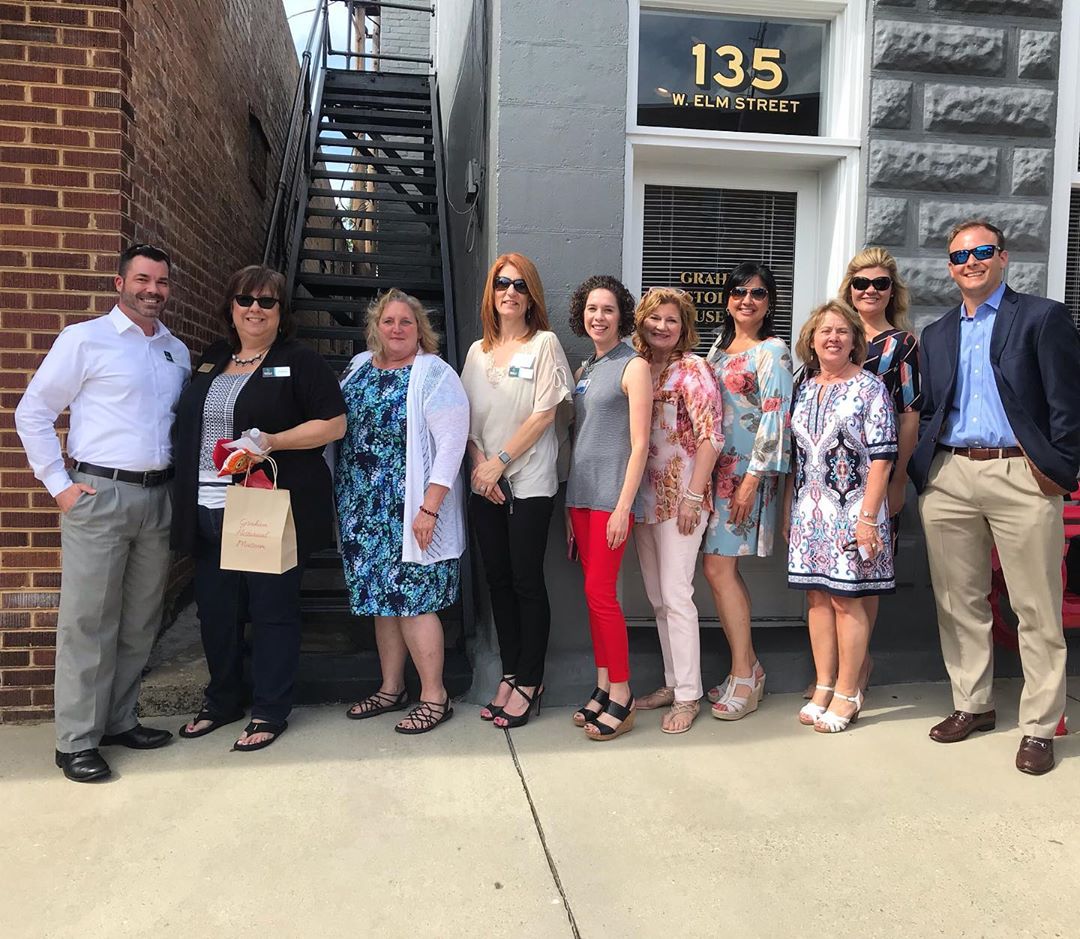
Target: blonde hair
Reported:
point(429, 339)
point(897, 307)
point(655, 298)
point(804, 348)
point(536, 318)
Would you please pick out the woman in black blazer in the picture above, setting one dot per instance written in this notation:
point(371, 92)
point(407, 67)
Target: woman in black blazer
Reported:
point(257, 379)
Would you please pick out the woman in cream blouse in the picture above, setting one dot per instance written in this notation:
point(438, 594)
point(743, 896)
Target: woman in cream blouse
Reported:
point(515, 378)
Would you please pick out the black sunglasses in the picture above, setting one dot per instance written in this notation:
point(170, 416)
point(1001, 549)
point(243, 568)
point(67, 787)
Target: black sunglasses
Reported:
point(880, 283)
point(758, 293)
point(505, 283)
point(982, 253)
point(246, 299)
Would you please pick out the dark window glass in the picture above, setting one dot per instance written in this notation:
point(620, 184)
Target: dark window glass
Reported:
point(1072, 259)
point(730, 73)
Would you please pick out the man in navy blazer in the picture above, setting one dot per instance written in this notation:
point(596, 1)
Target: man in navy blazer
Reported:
point(999, 444)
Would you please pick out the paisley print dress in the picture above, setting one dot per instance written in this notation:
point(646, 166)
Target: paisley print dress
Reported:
point(370, 489)
point(838, 431)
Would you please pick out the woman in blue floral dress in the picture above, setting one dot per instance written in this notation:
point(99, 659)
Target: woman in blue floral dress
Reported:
point(398, 465)
point(753, 369)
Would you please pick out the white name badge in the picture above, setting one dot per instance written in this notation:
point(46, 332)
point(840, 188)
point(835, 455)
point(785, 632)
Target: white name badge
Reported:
point(522, 365)
point(276, 371)
point(582, 386)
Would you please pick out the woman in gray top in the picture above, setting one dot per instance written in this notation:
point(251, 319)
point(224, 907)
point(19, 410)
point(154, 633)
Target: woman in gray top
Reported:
point(613, 415)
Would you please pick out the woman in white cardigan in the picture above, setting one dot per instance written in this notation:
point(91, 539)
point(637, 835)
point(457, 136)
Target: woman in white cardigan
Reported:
point(399, 501)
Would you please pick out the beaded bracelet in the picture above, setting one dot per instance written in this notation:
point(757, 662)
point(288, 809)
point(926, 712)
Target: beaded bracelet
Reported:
point(429, 512)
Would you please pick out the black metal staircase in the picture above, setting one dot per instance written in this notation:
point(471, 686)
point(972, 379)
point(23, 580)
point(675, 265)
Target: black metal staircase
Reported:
point(360, 208)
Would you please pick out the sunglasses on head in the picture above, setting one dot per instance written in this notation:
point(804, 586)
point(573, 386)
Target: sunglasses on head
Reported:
point(505, 283)
point(246, 300)
point(758, 293)
point(982, 253)
point(879, 283)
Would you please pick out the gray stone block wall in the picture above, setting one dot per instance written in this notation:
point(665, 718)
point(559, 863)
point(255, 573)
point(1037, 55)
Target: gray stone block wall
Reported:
point(405, 32)
point(963, 106)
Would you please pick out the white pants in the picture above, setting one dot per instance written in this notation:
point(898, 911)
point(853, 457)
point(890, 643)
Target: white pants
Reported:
point(667, 563)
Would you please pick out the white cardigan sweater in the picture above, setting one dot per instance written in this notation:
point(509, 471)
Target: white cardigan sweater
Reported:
point(437, 421)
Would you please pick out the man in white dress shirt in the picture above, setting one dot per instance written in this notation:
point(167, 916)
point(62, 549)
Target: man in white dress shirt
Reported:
point(121, 375)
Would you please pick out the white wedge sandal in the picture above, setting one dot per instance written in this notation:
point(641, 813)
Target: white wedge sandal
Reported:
point(810, 714)
point(732, 707)
point(832, 723)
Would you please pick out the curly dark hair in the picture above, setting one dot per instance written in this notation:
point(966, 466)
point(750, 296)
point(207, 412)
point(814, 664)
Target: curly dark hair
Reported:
point(623, 297)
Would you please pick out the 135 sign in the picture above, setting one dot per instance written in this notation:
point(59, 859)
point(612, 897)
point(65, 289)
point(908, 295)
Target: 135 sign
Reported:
point(765, 72)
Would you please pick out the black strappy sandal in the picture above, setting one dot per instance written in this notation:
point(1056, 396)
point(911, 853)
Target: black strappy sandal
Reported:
point(215, 723)
point(624, 714)
point(510, 721)
point(384, 702)
point(428, 715)
point(491, 707)
point(584, 714)
point(261, 727)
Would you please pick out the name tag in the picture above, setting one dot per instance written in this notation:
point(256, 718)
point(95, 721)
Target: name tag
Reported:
point(518, 371)
point(206, 367)
point(276, 371)
point(582, 386)
point(522, 365)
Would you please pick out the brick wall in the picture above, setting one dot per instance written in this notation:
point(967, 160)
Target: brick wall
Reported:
point(962, 122)
point(405, 32)
point(118, 121)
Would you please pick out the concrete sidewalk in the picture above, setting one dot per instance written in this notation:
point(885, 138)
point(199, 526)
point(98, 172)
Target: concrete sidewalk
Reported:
point(757, 828)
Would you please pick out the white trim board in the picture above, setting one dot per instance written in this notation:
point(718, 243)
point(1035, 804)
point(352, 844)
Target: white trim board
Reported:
point(1065, 148)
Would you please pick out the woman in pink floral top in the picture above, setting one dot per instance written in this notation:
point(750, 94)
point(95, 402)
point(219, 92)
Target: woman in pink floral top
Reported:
point(674, 498)
point(753, 367)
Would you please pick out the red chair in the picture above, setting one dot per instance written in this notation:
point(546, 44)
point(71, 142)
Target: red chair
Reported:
point(1004, 631)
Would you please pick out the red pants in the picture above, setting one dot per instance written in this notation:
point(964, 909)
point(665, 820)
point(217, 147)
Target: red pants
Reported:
point(601, 567)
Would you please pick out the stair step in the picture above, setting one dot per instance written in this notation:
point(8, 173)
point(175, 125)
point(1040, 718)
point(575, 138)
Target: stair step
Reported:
point(358, 257)
point(321, 156)
point(316, 192)
point(341, 283)
point(411, 179)
point(345, 95)
point(351, 333)
point(383, 116)
point(376, 127)
point(377, 216)
point(402, 147)
point(394, 83)
point(341, 234)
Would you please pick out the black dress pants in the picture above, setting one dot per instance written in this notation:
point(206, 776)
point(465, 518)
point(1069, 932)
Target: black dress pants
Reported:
point(512, 540)
point(273, 606)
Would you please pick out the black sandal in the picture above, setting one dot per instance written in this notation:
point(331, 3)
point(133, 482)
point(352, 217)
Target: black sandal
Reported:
point(215, 723)
point(623, 713)
point(262, 727)
point(584, 714)
point(427, 717)
point(384, 702)
point(491, 707)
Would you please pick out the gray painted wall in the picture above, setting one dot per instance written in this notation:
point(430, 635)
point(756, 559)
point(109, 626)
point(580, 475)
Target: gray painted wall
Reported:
point(405, 32)
point(963, 105)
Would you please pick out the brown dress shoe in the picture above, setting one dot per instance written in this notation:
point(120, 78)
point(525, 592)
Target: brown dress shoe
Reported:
point(1036, 755)
point(960, 724)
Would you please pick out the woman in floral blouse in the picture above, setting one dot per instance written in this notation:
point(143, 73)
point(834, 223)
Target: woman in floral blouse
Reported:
point(683, 446)
point(753, 367)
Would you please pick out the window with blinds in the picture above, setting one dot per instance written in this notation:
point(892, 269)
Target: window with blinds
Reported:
point(1072, 259)
point(694, 236)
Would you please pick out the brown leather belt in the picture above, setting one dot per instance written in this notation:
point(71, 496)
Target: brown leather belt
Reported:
point(985, 453)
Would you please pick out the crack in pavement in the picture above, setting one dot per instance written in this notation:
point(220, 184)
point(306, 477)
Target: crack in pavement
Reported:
point(543, 840)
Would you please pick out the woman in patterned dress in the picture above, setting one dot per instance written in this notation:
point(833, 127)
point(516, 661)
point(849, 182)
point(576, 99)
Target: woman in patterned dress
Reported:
point(686, 439)
point(408, 421)
point(844, 428)
point(753, 368)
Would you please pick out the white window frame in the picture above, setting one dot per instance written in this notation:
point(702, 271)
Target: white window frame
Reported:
point(835, 156)
point(1066, 149)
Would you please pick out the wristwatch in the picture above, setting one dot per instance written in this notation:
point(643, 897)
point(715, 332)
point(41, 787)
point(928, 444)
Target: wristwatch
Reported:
point(504, 458)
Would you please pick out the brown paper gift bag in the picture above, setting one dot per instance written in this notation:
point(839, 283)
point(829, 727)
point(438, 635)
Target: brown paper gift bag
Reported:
point(258, 534)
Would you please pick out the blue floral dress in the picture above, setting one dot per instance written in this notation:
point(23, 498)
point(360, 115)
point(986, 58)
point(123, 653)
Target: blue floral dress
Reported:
point(755, 387)
point(370, 489)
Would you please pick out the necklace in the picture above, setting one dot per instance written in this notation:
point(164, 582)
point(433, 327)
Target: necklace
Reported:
point(251, 361)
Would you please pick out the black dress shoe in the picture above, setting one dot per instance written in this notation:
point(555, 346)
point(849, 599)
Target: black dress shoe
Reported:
point(138, 738)
point(84, 766)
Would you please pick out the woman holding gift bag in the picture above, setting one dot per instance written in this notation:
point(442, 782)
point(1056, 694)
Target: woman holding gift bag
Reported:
point(282, 398)
point(399, 500)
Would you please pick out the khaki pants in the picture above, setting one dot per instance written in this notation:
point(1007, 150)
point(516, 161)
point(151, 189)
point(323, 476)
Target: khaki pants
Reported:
point(667, 567)
point(115, 548)
point(967, 508)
